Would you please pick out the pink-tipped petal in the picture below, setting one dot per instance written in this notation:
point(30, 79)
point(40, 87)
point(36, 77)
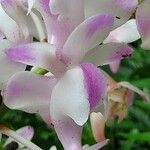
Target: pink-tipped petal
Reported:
point(70, 91)
point(143, 23)
point(8, 67)
point(86, 36)
point(98, 126)
point(14, 10)
point(121, 34)
point(59, 28)
point(27, 132)
point(114, 66)
point(29, 92)
point(57, 32)
point(108, 53)
point(37, 54)
point(122, 10)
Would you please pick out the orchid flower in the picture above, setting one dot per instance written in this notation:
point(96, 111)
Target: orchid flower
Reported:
point(122, 10)
point(61, 18)
point(137, 28)
point(120, 97)
point(84, 83)
point(74, 41)
point(143, 23)
point(17, 11)
point(11, 31)
point(121, 35)
point(19, 139)
point(16, 32)
point(142, 13)
point(18, 18)
point(60, 15)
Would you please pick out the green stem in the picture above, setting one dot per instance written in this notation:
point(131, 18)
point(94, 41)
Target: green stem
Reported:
point(39, 70)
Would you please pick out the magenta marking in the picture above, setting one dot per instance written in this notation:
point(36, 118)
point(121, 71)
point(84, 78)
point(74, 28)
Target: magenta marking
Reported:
point(95, 83)
point(98, 22)
point(121, 53)
point(19, 54)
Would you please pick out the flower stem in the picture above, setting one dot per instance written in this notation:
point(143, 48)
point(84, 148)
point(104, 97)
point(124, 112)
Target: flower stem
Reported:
point(18, 138)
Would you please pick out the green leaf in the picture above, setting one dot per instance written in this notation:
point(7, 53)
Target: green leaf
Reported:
point(142, 82)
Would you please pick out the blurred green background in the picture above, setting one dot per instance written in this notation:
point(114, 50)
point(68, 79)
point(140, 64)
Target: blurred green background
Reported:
point(132, 133)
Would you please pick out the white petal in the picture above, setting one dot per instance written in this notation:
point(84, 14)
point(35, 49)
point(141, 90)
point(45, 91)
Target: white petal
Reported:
point(86, 36)
point(121, 9)
point(73, 103)
point(68, 9)
point(126, 33)
point(9, 28)
point(30, 5)
point(14, 10)
point(69, 133)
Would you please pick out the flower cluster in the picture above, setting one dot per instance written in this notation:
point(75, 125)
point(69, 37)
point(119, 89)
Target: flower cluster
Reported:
point(68, 39)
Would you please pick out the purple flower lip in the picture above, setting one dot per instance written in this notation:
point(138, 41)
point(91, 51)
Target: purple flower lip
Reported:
point(95, 84)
